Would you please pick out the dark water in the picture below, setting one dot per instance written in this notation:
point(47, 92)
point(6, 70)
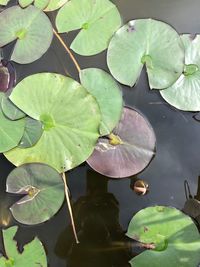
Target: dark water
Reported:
point(104, 207)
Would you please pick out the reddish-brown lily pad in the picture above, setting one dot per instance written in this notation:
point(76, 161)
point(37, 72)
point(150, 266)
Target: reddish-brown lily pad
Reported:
point(7, 76)
point(128, 150)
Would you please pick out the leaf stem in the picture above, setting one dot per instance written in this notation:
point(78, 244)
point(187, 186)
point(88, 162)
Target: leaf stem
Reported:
point(68, 50)
point(70, 207)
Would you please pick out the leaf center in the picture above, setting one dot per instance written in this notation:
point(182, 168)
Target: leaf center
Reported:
point(160, 243)
point(85, 26)
point(48, 122)
point(115, 140)
point(190, 69)
point(21, 34)
point(146, 59)
point(32, 191)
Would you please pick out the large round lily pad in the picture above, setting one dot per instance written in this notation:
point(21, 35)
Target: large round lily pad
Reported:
point(70, 118)
point(55, 4)
point(97, 20)
point(172, 236)
point(184, 94)
point(108, 95)
point(43, 189)
point(30, 27)
point(33, 253)
point(150, 42)
point(10, 131)
point(128, 150)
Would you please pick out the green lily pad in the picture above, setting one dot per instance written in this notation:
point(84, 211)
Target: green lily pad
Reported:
point(146, 42)
point(43, 189)
point(10, 110)
point(108, 95)
point(10, 132)
point(70, 116)
point(32, 133)
point(33, 253)
point(30, 27)
point(172, 236)
point(4, 2)
point(41, 4)
point(97, 20)
point(55, 4)
point(184, 94)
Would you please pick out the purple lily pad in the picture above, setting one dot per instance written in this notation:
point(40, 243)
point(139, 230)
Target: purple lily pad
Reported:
point(7, 76)
point(128, 150)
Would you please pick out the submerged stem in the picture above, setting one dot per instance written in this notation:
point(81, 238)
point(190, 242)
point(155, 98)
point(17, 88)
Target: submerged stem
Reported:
point(68, 50)
point(70, 207)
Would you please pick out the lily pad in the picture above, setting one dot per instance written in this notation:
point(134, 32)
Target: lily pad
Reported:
point(172, 236)
point(33, 253)
point(97, 21)
point(31, 29)
point(32, 133)
point(10, 132)
point(146, 42)
point(55, 4)
point(128, 150)
point(184, 94)
point(70, 116)
point(4, 2)
point(108, 95)
point(7, 76)
point(42, 189)
point(41, 4)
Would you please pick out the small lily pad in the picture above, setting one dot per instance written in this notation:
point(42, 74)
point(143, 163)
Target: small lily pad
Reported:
point(32, 133)
point(42, 189)
point(7, 76)
point(146, 42)
point(10, 131)
point(31, 29)
point(172, 236)
point(41, 4)
point(70, 117)
point(184, 94)
point(108, 95)
point(128, 150)
point(4, 2)
point(33, 253)
point(97, 20)
point(55, 4)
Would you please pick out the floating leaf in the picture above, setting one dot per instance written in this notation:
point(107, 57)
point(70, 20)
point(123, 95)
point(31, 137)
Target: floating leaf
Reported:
point(98, 20)
point(108, 95)
point(7, 76)
point(10, 132)
point(128, 150)
point(70, 117)
point(30, 27)
point(33, 254)
point(41, 4)
point(149, 42)
point(32, 133)
point(10, 110)
point(25, 3)
point(43, 189)
point(172, 235)
point(4, 2)
point(55, 4)
point(184, 93)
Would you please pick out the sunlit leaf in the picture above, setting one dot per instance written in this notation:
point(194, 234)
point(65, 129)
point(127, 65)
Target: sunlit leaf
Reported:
point(128, 150)
point(32, 133)
point(10, 131)
point(42, 191)
point(70, 116)
point(171, 234)
point(55, 4)
point(146, 42)
point(108, 95)
point(31, 29)
point(97, 20)
point(4, 2)
point(7, 76)
point(184, 94)
point(41, 4)
point(33, 253)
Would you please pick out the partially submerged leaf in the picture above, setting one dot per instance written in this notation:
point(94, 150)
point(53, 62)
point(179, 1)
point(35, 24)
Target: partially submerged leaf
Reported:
point(108, 95)
point(97, 20)
point(70, 116)
point(42, 189)
point(173, 237)
point(10, 131)
point(55, 4)
point(33, 253)
point(184, 94)
point(128, 150)
point(150, 42)
point(31, 29)
point(7, 76)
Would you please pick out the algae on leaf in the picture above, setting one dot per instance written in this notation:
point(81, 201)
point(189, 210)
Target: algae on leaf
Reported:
point(97, 21)
point(146, 42)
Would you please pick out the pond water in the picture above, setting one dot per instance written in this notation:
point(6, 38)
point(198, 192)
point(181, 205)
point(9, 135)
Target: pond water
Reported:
point(103, 207)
